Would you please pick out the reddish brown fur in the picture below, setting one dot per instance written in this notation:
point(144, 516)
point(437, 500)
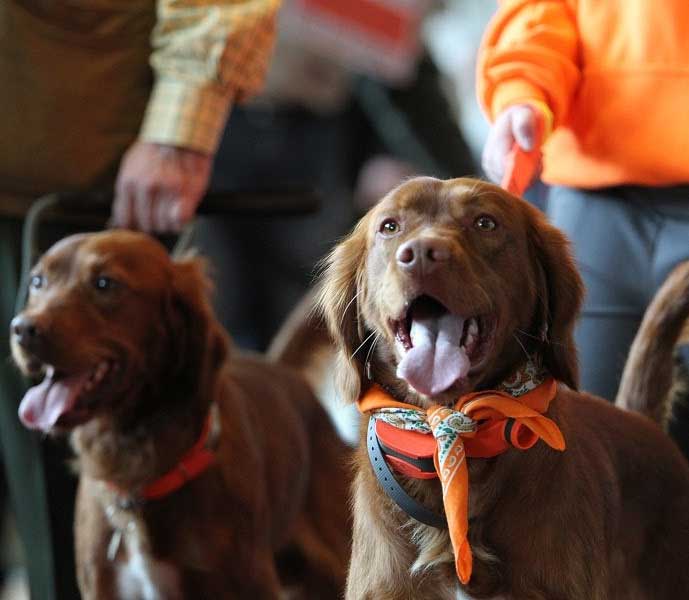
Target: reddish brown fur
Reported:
point(648, 374)
point(279, 485)
point(606, 519)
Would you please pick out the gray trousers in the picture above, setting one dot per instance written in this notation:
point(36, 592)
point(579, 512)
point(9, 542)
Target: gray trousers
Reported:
point(626, 240)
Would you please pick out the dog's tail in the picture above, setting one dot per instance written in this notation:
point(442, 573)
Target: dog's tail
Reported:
point(648, 375)
point(304, 344)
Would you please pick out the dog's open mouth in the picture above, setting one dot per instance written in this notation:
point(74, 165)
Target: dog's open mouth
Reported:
point(438, 347)
point(63, 400)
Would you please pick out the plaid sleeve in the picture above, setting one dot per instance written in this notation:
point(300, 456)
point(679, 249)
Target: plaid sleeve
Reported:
point(206, 54)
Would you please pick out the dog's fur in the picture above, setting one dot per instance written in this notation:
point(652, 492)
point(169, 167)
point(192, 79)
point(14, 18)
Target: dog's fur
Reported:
point(606, 519)
point(650, 384)
point(655, 381)
point(270, 513)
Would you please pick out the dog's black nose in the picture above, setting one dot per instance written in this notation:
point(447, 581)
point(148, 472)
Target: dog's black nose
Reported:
point(422, 255)
point(25, 331)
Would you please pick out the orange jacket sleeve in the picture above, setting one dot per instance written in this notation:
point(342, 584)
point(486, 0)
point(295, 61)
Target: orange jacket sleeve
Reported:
point(529, 52)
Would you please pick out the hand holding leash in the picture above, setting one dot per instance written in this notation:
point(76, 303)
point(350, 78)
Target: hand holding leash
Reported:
point(512, 154)
point(521, 168)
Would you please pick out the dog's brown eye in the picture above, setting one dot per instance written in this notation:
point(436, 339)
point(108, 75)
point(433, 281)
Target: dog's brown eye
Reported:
point(485, 223)
point(103, 283)
point(389, 227)
point(36, 282)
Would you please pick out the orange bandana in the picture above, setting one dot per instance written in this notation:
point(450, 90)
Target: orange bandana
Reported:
point(449, 427)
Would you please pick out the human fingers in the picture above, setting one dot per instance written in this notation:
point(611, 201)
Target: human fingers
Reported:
point(498, 145)
point(525, 126)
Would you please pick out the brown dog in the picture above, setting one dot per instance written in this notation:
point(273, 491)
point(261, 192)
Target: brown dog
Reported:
point(448, 287)
point(203, 474)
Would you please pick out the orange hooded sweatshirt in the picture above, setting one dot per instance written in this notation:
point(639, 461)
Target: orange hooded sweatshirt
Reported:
point(614, 74)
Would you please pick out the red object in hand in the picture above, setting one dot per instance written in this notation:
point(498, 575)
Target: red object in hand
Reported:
point(520, 169)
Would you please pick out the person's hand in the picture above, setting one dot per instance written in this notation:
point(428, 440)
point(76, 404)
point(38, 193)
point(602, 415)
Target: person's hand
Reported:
point(521, 123)
point(159, 187)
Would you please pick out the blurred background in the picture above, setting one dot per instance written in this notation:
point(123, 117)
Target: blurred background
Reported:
point(359, 95)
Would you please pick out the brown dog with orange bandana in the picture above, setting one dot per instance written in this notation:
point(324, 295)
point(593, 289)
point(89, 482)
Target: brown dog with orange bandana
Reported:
point(452, 305)
point(203, 473)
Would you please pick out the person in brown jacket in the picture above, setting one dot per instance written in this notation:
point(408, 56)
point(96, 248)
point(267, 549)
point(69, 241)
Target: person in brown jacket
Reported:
point(130, 94)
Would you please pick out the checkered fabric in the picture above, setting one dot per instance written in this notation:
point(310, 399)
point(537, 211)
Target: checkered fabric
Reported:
point(206, 55)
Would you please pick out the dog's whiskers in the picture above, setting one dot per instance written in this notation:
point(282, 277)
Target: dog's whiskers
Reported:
point(370, 350)
point(530, 335)
point(346, 308)
point(362, 344)
point(514, 335)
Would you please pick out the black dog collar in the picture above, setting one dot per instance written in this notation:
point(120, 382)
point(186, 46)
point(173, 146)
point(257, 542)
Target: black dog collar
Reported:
point(391, 486)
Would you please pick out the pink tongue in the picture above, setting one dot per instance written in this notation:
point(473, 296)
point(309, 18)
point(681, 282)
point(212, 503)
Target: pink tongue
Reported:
point(46, 402)
point(436, 359)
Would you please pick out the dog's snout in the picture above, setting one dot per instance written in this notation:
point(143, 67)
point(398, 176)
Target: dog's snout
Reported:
point(25, 330)
point(422, 255)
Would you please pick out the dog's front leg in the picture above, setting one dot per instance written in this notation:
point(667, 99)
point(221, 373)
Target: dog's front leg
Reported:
point(93, 533)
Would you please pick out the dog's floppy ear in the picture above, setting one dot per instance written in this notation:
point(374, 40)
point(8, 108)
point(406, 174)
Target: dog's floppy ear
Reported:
point(340, 298)
point(197, 342)
point(560, 293)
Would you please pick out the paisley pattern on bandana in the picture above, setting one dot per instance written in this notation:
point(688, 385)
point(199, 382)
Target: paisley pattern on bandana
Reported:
point(447, 426)
point(404, 418)
point(529, 377)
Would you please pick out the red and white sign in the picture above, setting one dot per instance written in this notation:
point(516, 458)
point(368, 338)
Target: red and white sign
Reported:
point(377, 37)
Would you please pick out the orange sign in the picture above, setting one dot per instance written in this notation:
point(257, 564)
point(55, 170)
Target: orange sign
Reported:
point(376, 37)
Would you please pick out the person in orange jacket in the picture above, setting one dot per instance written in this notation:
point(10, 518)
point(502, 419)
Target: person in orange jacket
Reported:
point(603, 89)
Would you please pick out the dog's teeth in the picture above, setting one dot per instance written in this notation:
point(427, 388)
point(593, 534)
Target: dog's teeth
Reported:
point(471, 334)
point(99, 373)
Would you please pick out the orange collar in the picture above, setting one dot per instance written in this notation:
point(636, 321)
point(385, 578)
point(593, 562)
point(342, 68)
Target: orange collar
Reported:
point(199, 457)
point(190, 466)
point(476, 427)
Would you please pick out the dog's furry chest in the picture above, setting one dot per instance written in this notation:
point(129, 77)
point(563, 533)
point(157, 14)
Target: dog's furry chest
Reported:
point(141, 575)
point(138, 573)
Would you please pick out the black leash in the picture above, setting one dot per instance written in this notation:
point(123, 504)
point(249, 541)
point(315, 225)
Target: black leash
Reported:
point(30, 248)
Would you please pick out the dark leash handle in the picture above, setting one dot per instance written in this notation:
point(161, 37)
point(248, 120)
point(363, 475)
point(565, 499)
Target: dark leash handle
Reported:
point(94, 208)
point(255, 202)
